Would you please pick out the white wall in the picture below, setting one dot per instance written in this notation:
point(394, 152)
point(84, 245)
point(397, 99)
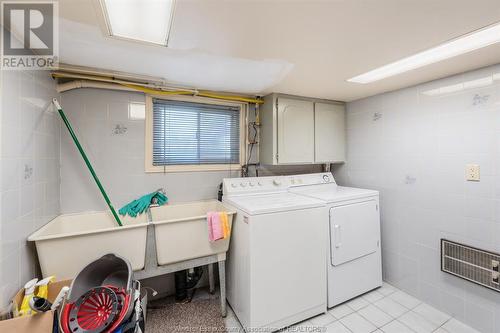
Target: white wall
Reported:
point(413, 148)
point(29, 165)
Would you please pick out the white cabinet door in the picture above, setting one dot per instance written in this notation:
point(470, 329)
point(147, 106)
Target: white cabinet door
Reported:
point(295, 131)
point(329, 133)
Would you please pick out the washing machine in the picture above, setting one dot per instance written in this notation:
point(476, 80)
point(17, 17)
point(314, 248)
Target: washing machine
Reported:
point(276, 274)
point(354, 254)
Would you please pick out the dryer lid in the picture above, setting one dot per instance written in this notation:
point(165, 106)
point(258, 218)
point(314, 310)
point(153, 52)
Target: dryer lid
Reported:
point(333, 193)
point(271, 203)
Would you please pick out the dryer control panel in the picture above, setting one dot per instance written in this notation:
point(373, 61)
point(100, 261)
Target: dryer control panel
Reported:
point(269, 184)
point(312, 179)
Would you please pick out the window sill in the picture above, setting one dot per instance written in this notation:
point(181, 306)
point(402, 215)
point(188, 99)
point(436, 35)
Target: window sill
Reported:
point(193, 168)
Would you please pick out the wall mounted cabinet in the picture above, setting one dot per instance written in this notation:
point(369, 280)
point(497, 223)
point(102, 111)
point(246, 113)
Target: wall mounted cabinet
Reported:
point(329, 133)
point(294, 117)
point(297, 130)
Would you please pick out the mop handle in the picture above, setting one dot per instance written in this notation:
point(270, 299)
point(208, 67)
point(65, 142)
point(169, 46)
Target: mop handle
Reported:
point(87, 162)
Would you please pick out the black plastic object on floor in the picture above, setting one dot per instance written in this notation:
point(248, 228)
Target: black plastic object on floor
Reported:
point(103, 298)
point(184, 281)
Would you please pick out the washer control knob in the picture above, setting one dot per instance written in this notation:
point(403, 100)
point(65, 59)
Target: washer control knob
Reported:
point(251, 184)
point(326, 178)
point(243, 184)
point(277, 182)
point(233, 185)
point(259, 183)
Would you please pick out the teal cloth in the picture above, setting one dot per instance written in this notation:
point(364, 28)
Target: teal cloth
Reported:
point(140, 205)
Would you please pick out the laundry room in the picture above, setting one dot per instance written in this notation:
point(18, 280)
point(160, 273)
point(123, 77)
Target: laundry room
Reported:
point(250, 166)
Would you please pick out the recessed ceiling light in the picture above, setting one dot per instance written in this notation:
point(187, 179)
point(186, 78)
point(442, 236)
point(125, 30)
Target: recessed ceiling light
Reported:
point(464, 44)
point(147, 21)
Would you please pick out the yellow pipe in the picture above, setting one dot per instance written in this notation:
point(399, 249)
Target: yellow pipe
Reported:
point(231, 98)
point(145, 89)
point(187, 92)
point(157, 91)
point(108, 79)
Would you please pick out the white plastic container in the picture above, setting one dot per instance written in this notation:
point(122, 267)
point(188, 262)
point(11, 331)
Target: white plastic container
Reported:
point(69, 242)
point(181, 231)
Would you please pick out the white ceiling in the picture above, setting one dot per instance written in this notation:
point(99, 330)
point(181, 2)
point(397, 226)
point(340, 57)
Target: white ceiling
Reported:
point(305, 47)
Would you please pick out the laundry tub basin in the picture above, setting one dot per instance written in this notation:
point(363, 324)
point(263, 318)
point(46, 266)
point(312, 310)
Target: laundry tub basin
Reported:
point(69, 242)
point(181, 231)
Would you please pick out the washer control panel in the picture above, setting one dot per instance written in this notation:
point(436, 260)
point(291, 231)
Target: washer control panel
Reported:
point(255, 184)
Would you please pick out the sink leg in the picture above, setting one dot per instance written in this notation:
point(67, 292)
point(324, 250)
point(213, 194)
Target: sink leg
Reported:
point(222, 279)
point(211, 281)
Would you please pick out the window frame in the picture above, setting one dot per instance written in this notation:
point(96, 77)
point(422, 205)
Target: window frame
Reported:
point(150, 168)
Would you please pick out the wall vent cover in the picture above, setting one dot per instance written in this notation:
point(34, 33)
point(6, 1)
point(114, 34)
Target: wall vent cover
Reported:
point(472, 264)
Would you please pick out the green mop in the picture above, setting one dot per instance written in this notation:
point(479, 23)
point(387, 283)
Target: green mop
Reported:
point(140, 205)
point(87, 162)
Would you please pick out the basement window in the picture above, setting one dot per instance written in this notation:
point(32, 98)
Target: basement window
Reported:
point(190, 135)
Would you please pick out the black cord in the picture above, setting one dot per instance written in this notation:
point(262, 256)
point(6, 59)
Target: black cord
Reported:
point(245, 169)
point(252, 144)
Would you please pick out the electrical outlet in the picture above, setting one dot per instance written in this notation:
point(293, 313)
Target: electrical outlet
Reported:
point(472, 172)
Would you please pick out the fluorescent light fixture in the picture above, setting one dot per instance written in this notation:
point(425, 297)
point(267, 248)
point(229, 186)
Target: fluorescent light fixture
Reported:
point(464, 44)
point(141, 20)
point(445, 90)
point(477, 83)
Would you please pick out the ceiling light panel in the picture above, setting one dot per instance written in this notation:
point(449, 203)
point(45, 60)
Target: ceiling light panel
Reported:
point(143, 20)
point(472, 84)
point(467, 43)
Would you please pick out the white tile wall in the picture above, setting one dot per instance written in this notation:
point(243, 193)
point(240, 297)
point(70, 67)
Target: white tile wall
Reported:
point(415, 154)
point(29, 172)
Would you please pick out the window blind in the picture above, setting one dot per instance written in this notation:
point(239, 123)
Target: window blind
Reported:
point(195, 133)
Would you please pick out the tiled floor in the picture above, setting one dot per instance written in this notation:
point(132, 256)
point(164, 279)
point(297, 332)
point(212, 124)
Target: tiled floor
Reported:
point(385, 310)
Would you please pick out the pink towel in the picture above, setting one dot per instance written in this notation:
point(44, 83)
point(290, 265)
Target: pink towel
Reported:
point(215, 231)
point(210, 229)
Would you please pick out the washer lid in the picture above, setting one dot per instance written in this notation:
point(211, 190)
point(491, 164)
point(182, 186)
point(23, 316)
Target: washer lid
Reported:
point(333, 193)
point(271, 203)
